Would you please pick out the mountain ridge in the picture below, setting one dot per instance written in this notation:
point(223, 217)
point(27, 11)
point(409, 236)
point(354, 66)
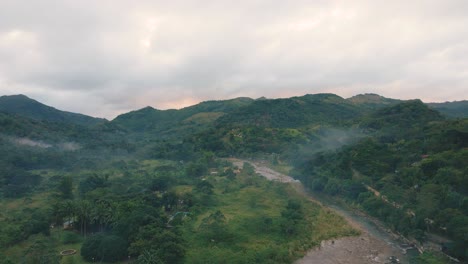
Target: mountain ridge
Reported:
point(22, 105)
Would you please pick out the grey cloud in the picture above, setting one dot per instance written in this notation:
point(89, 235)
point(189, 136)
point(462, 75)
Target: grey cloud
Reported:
point(106, 57)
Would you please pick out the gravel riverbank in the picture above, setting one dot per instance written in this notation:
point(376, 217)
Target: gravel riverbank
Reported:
point(374, 245)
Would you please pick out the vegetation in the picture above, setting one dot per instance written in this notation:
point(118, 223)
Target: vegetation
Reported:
point(153, 185)
point(411, 173)
point(190, 218)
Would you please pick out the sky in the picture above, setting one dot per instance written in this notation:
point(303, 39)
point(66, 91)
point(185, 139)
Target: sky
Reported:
point(107, 57)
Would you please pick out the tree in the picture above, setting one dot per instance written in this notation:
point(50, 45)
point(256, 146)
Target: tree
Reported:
point(83, 212)
point(291, 217)
point(38, 223)
point(160, 183)
point(113, 248)
point(205, 187)
point(196, 169)
point(169, 200)
point(102, 213)
point(66, 187)
point(149, 257)
point(102, 247)
point(215, 229)
point(90, 248)
point(92, 182)
point(156, 244)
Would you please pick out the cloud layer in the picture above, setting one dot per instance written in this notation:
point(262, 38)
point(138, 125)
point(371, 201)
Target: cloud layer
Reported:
point(104, 58)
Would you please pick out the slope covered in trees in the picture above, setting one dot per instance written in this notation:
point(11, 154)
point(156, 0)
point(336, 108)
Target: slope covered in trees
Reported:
point(411, 172)
point(457, 109)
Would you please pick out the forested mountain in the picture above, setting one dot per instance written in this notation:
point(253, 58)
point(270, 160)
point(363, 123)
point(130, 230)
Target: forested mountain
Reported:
point(173, 123)
point(25, 106)
point(410, 171)
point(372, 101)
point(452, 109)
point(156, 185)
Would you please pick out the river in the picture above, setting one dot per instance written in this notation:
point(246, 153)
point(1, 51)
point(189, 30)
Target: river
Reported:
point(374, 245)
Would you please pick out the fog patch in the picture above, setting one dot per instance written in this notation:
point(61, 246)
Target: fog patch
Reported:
point(69, 146)
point(330, 139)
point(64, 146)
point(31, 143)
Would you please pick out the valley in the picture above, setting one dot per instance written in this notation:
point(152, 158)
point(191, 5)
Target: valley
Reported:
point(332, 182)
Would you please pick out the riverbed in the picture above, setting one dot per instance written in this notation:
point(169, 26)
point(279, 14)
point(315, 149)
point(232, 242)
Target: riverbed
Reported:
point(374, 245)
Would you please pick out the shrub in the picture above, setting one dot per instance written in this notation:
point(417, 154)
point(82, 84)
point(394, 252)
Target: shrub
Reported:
point(101, 247)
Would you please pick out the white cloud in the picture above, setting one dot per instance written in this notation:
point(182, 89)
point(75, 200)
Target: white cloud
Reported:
point(106, 57)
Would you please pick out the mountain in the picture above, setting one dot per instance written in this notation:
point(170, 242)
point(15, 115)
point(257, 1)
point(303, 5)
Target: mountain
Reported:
point(277, 125)
point(171, 123)
point(409, 171)
point(405, 115)
point(25, 106)
point(372, 101)
point(294, 112)
point(456, 109)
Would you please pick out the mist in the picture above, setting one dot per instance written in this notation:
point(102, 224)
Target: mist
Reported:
point(63, 146)
point(329, 139)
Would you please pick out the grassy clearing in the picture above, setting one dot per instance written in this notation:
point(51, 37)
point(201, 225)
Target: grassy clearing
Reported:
point(34, 201)
point(253, 215)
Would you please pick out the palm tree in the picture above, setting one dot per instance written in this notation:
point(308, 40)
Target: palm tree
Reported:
point(102, 213)
point(69, 208)
point(83, 212)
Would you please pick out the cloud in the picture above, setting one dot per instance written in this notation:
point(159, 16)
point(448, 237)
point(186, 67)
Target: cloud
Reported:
point(104, 58)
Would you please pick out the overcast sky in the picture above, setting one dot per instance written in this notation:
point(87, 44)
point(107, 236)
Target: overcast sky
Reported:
point(104, 58)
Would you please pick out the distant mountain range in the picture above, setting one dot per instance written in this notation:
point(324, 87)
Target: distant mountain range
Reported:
point(289, 112)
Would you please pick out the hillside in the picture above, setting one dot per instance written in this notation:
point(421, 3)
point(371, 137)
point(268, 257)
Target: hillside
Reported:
point(409, 171)
point(25, 106)
point(372, 101)
point(321, 109)
point(404, 117)
point(176, 123)
point(456, 109)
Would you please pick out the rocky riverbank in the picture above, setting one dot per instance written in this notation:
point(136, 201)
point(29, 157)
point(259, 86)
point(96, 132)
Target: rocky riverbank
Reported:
point(374, 245)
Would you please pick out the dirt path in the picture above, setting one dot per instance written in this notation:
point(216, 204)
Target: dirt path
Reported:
point(373, 246)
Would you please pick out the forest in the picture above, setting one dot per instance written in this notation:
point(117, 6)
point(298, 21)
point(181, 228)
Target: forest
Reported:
point(156, 186)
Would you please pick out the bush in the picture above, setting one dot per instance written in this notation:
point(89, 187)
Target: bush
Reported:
point(109, 248)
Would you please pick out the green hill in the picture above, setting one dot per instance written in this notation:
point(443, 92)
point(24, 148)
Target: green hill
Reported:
point(407, 115)
point(410, 171)
point(25, 106)
point(372, 101)
point(176, 123)
point(324, 109)
point(456, 109)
